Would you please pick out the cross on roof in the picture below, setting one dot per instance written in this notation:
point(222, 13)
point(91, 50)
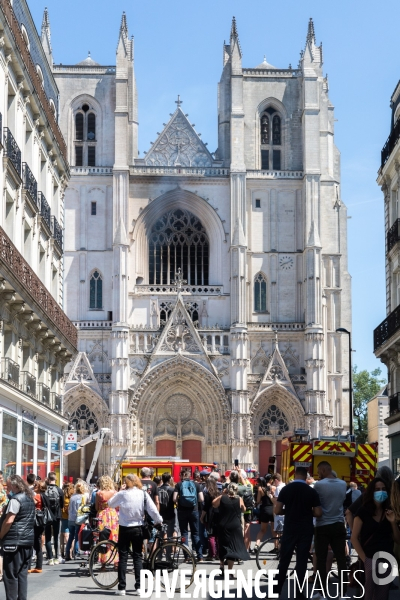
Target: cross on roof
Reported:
point(179, 101)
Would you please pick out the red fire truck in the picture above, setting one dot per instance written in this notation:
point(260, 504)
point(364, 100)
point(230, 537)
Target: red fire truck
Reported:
point(351, 461)
point(161, 464)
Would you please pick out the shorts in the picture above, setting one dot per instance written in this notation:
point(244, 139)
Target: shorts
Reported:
point(266, 517)
point(64, 526)
point(247, 517)
point(279, 519)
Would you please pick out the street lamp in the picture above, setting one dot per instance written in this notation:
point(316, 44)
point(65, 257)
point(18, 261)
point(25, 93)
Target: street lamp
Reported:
point(343, 330)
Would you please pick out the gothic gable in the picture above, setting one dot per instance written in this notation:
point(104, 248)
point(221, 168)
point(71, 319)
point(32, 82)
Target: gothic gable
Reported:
point(276, 373)
point(82, 373)
point(181, 337)
point(179, 146)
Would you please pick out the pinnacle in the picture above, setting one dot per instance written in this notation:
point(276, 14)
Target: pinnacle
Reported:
point(311, 31)
point(46, 20)
point(234, 33)
point(124, 25)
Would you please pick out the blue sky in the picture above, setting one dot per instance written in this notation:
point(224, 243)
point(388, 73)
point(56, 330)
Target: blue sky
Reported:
point(178, 50)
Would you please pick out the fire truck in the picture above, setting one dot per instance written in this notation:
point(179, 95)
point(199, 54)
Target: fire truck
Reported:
point(161, 464)
point(351, 461)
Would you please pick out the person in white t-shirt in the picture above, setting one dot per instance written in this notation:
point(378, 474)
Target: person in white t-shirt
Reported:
point(278, 519)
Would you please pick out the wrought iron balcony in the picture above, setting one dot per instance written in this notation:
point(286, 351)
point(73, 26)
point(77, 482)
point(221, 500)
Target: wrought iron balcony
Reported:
point(393, 235)
point(29, 183)
point(10, 371)
point(44, 209)
point(1, 129)
point(387, 328)
point(28, 383)
point(57, 232)
point(11, 150)
point(390, 143)
point(56, 402)
point(43, 394)
point(394, 404)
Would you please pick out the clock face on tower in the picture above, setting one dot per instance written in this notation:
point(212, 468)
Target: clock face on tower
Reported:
point(286, 262)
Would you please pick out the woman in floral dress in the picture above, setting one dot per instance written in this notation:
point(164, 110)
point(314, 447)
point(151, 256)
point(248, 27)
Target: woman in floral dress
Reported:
point(108, 515)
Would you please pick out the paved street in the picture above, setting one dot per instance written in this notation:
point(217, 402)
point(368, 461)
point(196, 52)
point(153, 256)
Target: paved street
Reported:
point(63, 582)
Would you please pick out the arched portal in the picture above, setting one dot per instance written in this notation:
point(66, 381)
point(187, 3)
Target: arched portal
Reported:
point(183, 405)
point(276, 413)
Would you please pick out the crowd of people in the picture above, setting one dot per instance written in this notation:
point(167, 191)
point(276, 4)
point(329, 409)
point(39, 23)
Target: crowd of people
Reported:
point(324, 517)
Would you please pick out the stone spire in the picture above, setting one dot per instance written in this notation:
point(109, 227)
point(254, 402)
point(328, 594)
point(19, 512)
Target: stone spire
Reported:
point(234, 39)
point(311, 32)
point(46, 37)
point(312, 56)
point(123, 30)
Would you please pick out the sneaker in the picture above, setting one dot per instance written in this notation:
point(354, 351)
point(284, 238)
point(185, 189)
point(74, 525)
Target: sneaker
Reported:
point(61, 560)
point(50, 562)
point(56, 561)
point(120, 592)
point(67, 559)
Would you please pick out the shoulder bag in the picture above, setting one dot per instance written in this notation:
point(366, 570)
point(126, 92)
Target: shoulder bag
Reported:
point(147, 526)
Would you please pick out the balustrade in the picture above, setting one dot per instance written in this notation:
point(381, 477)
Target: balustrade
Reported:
point(10, 371)
point(45, 212)
point(29, 183)
point(57, 232)
point(394, 404)
point(28, 383)
point(11, 150)
point(43, 395)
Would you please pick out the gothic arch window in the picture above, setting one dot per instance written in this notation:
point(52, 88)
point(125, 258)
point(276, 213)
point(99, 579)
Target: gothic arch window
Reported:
point(25, 36)
point(271, 139)
point(85, 136)
point(84, 419)
point(178, 240)
point(273, 418)
point(96, 291)
point(260, 293)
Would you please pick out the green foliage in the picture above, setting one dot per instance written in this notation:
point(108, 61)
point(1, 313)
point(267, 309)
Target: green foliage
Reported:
point(365, 386)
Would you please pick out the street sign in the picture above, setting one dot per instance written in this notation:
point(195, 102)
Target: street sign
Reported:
point(71, 441)
point(54, 443)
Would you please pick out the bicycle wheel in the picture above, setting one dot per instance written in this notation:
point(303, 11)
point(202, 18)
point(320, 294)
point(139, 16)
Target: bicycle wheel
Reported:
point(268, 553)
point(102, 564)
point(171, 557)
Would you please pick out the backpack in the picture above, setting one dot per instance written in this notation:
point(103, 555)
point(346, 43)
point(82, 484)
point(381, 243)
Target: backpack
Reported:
point(53, 497)
point(248, 499)
point(188, 494)
point(164, 499)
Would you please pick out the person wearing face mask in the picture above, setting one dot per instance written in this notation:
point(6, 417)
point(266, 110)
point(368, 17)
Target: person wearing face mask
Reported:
point(374, 530)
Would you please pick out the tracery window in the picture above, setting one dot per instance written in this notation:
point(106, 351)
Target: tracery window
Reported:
point(275, 417)
point(260, 293)
point(178, 240)
point(271, 139)
point(85, 133)
point(83, 418)
point(96, 291)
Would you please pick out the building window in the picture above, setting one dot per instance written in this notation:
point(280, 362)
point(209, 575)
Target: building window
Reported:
point(40, 73)
point(274, 417)
point(258, 203)
point(85, 131)
point(260, 293)
point(9, 445)
point(79, 156)
point(93, 209)
point(178, 240)
point(270, 139)
point(25, 36)
point(96, 291)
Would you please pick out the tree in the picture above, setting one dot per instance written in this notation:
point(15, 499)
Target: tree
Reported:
point(365, 386)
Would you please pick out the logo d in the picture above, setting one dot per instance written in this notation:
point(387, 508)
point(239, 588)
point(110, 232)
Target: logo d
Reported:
point(384, 568)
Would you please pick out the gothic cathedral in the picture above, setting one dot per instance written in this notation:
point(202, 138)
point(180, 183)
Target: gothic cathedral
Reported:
point(207, 287)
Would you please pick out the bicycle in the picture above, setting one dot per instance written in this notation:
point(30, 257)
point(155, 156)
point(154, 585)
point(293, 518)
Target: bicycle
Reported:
point(165, 555)
point(270, 549)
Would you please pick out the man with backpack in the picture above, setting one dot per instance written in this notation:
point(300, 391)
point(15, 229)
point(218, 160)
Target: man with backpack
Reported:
point(55, 497)
point(188, 494)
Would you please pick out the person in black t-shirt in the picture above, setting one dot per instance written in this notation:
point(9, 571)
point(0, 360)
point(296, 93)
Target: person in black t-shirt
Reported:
point(189, 495)
point(299, 503)
point(167, 509)
point(150, 486)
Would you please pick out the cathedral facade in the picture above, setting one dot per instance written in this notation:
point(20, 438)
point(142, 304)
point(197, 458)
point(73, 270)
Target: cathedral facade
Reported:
point(207, 287)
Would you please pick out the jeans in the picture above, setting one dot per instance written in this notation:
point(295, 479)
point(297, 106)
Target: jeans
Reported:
point(15, 573)
point(128, 536)
point(335, 536)
point(73, 537)
point(301, 541)
point(203, 537)
point(190, 519)
point(37, 545)
point(54, 527)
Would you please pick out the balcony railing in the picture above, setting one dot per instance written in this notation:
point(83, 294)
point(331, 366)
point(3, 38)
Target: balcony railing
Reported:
point(393, 235)
point(28, 383)
point(387, 328)
point(390, 143)
point(43, 394)
point(26, 280)
point(29, 183)
point(44, 209)
point(10, 371)
point(1, 128)
point(57, 232)
point(56, 402)
point(11, 150)
point(394, 404)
